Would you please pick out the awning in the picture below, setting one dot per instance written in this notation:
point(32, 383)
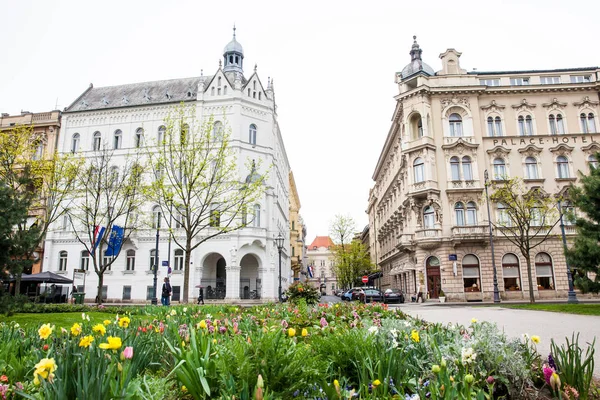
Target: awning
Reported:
point(46, 277)
point(375, 275)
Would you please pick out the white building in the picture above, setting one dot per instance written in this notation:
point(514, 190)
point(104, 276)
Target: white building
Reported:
point(322, 261)
point(242, 264)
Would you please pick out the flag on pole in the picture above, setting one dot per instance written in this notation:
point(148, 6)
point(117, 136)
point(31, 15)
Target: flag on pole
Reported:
point(98, 234)
point(115, 241)
point(311, 273)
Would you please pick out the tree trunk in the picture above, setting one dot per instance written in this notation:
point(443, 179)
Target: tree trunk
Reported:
point(531, 294)
point(100, 282)
point(186, 271)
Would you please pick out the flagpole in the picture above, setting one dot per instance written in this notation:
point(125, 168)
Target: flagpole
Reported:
point(154, 299)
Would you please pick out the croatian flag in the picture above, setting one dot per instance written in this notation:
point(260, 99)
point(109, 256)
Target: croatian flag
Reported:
point(98, 234)
point(311, 272)
point(115, 241)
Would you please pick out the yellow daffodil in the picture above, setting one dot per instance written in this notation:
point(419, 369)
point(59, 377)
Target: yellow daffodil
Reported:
point(124, 322)
point(376, 382)
point(291, 332)
point(99, 328)
point(76, 329)
point(535, 339)
point(183, 388)
point(44, 369)
point(414, 335)
point(86, 341)
point(473, 320)
point(202, 324)
point(45, 331)
point(114, 343)
point(304, 332)
point(107, 322)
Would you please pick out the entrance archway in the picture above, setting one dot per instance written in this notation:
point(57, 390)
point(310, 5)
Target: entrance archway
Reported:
point(432, 267)
point(214, 276)
point(250, 281)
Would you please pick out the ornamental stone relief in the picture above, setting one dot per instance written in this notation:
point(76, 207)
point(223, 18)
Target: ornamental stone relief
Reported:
point(523, 105)
point(493, 107)
point(455, 101)
point(555, 104)
point(586, 102)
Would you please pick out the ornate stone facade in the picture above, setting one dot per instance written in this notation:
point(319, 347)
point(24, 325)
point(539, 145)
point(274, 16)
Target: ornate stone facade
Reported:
point(428, 218)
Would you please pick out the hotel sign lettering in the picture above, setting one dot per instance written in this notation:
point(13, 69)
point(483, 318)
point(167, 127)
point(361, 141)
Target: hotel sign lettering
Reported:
point(524, 141)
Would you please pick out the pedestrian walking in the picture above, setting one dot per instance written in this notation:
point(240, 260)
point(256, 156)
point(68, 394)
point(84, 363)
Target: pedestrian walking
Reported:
point(166, 293)
point(201, 297)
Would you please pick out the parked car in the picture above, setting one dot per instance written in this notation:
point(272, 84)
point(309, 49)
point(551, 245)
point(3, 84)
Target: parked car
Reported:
point(338, 292)
point(393, 296)
point(350, 294)
point(356, 294)
point(371, 295)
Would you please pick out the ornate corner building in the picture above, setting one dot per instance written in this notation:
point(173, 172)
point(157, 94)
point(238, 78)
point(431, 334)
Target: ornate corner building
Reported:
point(428, 221)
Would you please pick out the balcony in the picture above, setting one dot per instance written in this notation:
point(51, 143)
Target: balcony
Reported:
point(570, 230)
point(422, 187)
point(428, 233)
point(470, 233)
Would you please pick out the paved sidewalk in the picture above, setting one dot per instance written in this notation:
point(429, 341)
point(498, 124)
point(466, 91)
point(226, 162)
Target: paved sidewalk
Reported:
point(545, 324)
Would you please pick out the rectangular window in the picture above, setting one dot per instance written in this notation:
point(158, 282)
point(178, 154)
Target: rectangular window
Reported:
point(149, 292)
point(126, 292)
point(104, 292)
point(80, 288)
point(511, 278)
point(519, 81)
point(580, 78)
point(549, 80)
point(176, 293)
point(490, 82)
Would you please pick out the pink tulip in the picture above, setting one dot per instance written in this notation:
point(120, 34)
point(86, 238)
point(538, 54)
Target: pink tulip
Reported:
point(128, 352)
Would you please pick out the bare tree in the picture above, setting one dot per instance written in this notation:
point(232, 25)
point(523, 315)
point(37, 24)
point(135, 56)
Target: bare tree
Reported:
point(197, 180)
point(526, 218)
point(107, 196)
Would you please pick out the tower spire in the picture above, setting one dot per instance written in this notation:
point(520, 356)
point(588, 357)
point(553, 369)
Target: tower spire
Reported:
point(415, 52)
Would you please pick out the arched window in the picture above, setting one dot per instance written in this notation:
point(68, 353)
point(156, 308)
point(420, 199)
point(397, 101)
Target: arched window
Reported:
point(155, 216)
point(588, 123)
point(498, 126)
point(161, 134)
point(544, 271)
point(215, 216)
point(225, 89)
point(139, 137)
point(490, 126)
point(503, 216)
point(244, 216)
point(130, 266)
point(428, 217)
point(471, 213)
point(84, 264)
point(97, 141)
point(252, 135)
point(563, 167)
point(217, 131)
point(456, 129)
point(557, 126)
point(118, 139)
point(183, 134)
point(416, 126)
point(455, 168)
point(499, 169)
point(178, 265)
point(152, 259)
point(256, 222)
point(593, 161)
point(537, 218)
point(569, 217)
point(531, 168)
point(114, 176)
point(470, 266)
point(494, 126)
point(419, 170)
point(75, 143)
point(525, 125)
point(459, 212)
point(466, 167)
point(219, 81)
point(510, 272)
point(62, 261)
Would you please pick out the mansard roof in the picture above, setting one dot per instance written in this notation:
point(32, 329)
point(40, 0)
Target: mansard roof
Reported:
point(137, 94)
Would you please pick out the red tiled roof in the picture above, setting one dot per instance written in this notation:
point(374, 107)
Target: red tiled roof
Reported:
point(321, 241)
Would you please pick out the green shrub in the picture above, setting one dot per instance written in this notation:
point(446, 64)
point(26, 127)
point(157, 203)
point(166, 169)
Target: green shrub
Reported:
point(300, 290)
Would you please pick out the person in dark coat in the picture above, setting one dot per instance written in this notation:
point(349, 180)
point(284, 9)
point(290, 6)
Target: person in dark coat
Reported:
point(201, 296)
point(166, 293)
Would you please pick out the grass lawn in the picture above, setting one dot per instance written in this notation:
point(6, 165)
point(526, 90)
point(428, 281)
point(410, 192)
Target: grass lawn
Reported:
point(582, 309)
point(64, 320)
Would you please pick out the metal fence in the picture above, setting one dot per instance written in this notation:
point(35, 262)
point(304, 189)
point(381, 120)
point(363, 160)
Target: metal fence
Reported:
point(213, 288)
point(249, 289)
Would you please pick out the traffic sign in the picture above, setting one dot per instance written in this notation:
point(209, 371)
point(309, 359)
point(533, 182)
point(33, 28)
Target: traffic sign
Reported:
point(365, 279)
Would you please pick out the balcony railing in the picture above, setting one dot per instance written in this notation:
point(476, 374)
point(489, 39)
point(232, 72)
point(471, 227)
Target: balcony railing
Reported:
point(470, 230)
point(428, 233)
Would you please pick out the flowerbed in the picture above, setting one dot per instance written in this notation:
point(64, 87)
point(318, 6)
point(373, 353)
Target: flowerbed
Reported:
point(270, 352)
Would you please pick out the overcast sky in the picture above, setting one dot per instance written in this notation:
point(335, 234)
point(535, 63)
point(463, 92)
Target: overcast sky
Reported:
point(333, 63)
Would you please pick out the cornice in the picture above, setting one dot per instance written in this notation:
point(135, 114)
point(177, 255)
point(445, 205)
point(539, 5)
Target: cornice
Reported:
point(420, 147)
point(531, 148)
point(586, 102)
point(554, 104)
point(493, 106)
point(460, 142)
point(524, 104)
point(562, 147)
point(498, 149)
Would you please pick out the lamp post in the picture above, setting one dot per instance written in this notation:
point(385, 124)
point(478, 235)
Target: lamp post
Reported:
point(487, 200)
point(572, 298)
point(154, 299)
point(169, 269)
point(279, 242)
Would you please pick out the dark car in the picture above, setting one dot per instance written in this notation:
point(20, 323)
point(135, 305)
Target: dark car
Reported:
point(393, 296)
point(371, 295)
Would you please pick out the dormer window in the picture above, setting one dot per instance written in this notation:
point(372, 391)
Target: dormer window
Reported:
point(549, 80)
point(519, 81)
point(580, 79)
point(490, 82)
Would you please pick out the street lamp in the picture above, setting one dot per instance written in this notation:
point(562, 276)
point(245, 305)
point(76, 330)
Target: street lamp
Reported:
point(279, 242)
point(154, 299)
point(572, 295)
point(487, 198)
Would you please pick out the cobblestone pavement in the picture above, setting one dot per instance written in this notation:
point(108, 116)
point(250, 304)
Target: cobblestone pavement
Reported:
point(546, 325)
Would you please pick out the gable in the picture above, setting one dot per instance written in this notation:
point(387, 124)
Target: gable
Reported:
point(254, 88)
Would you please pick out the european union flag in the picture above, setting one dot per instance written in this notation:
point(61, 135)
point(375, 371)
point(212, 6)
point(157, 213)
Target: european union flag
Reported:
point(115, 241)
